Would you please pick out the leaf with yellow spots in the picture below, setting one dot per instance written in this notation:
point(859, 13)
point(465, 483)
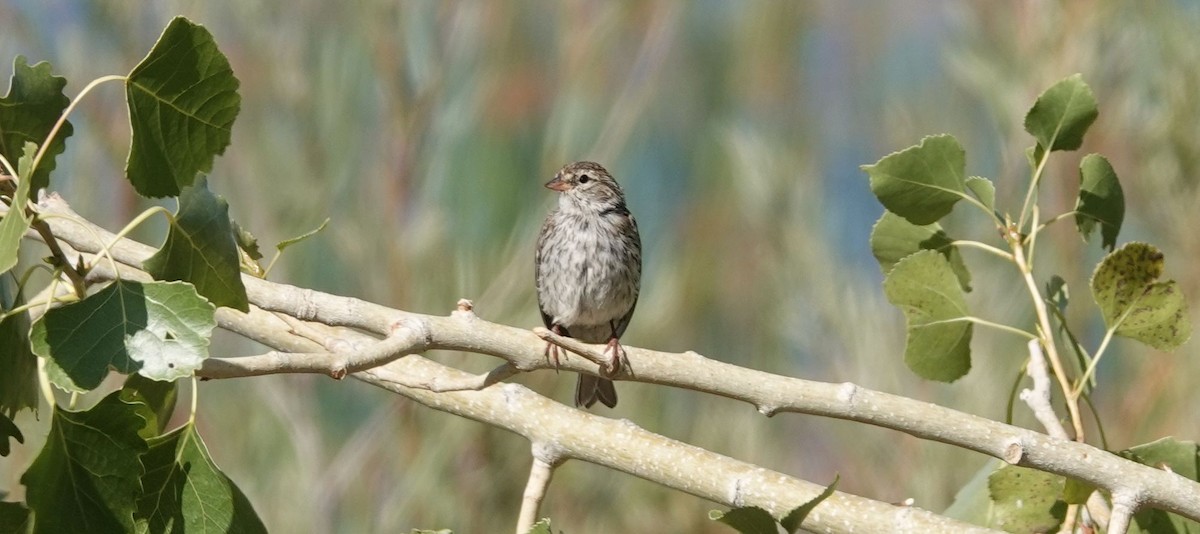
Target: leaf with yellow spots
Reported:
point(1134, 304)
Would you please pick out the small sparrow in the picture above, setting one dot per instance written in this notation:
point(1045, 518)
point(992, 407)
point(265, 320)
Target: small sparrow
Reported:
point(588, 269)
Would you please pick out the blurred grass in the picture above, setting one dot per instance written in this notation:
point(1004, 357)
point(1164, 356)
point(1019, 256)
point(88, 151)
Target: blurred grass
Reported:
point(425, 130)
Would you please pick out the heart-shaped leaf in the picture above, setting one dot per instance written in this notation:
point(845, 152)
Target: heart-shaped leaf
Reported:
point(186, 492)
point(159, 329)
point(927, 291)
point(921, 183)
point(201, 249)
point(87, 477)
point(182, 103)
point(1134, 303)
point(893, 238)
point(1062, 114)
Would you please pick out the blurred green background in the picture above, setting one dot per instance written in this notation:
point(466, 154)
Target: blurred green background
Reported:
point(425, 130)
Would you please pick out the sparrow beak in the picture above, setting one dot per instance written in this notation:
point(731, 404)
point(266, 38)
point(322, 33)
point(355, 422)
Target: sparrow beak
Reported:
point(557, 184)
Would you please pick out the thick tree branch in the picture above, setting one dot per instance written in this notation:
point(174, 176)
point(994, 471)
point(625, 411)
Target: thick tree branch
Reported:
point(588, 437)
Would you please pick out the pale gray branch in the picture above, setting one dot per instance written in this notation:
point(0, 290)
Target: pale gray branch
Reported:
point(335, 363)
point(1124, 505)
point(535, 490)
point(588, 437)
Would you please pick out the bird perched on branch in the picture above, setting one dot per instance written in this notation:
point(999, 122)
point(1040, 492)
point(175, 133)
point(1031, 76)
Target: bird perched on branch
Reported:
point(588, 269)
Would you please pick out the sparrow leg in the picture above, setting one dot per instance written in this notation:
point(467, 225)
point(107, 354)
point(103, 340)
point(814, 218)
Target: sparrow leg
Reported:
point(553, 350)
point(615, 351)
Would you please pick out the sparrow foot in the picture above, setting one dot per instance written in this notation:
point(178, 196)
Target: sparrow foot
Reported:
point(552, 350)
point(615, 353)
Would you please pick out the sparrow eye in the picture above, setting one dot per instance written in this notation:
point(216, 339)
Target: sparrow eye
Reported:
point(584, 179)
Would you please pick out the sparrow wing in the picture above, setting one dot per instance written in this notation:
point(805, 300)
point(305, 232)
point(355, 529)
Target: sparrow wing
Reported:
point(547, 229)
point(635, 243)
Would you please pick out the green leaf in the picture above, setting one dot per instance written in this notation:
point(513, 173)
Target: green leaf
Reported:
point(1025, 500)
point(156, 402)
point(86, 478)
point(35, 101)
point(747, 520)
point(893, 238)
point(14, 518)
point(8, 429)
point(1062, 114)
point(1134, 304)
point(924, 287)
point(791, 522)
point(16, 222)
point(182, 103)
point(289, 242)
point(984, 191)
point(1101, 201)
point(921, 183)
point(186, 492)
point(200, 249)
point(1182, 458)
point(18, 365)
point(158, 329)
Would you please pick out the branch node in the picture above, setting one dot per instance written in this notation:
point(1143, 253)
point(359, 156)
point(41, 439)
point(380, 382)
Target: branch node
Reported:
point(548, 452)
point(465, 309)
point(768, 410)
point(846, 392)
point(417, 326)
point(1125, 502)
point(1014, 452)
point(308, 308)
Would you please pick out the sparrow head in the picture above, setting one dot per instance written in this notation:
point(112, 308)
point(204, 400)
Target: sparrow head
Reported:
point(585, 184)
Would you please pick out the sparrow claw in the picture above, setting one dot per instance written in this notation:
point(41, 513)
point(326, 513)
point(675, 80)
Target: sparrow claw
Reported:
point(552, 350)
point(616, 353)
